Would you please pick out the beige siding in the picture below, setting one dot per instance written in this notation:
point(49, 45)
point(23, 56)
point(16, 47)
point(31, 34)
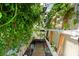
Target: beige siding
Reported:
point(70, 47)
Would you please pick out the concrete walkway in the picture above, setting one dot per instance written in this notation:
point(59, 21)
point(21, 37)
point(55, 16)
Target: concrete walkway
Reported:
point(39, 50)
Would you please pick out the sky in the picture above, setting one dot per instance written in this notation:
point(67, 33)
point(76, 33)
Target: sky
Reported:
point(49, 6)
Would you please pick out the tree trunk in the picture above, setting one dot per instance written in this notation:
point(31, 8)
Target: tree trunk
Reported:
point(65, 21)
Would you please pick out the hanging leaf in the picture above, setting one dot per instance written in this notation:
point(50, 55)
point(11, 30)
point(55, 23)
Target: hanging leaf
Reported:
point(0, 15)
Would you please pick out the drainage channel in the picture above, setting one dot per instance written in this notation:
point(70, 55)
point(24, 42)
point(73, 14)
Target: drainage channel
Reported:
point(38, 47)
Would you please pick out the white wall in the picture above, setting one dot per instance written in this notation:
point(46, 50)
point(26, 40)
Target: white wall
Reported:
point(70, 47)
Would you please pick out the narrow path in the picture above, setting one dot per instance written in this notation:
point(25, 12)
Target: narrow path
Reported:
point(39, 50)
point(38, 47)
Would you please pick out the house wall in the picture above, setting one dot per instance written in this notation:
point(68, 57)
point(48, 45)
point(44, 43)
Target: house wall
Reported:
point(65, 45)
point(70, 46)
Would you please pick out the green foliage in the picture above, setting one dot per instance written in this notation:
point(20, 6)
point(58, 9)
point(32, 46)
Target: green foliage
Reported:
point(49, 26)
point(53, 45)
point(61, 9)
point(0, 14)
point(66, 26)
point(76, 21)
point(16, 25)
